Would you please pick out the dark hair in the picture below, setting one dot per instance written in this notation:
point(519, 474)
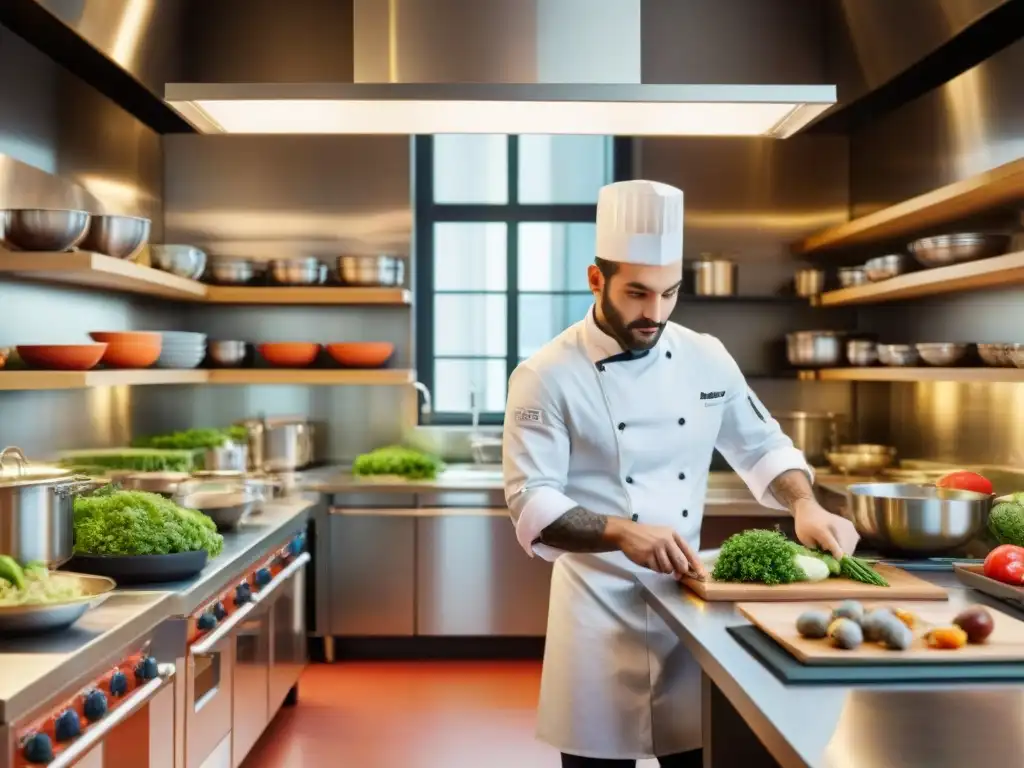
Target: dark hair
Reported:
point(608, 268)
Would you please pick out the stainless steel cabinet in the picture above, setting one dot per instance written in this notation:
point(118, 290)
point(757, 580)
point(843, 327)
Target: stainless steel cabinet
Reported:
point(372, 572)
point(287, 639)
point(250, 713)
point(473, 578)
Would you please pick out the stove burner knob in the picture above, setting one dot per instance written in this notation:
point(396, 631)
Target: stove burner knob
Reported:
point(263, 577)
point(220, 612)
point(118, 683)
point(68, 726)
point(38, 749)
point(146, 669)
point(206, 622)
point(243, 594)
point(95, 706)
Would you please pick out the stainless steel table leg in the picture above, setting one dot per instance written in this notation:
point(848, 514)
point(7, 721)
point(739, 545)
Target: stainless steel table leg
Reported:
point(329, 648)
point(728, 741)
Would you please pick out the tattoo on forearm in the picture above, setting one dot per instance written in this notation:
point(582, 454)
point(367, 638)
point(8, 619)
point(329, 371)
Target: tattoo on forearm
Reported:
point(791, 487)
point(577, 531)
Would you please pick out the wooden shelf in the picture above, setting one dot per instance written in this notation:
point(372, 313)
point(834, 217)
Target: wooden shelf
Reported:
point(885, 373)
point(312, 376)
point(95, 270)
point(996, 272)
point(15, 379)
point(995, 188)
point(243, 294)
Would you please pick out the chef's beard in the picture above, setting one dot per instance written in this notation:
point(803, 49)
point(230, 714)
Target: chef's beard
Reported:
point(622, 332)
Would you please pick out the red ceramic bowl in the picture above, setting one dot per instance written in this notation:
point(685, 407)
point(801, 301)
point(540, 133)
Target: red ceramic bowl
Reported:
point(289, 354)
point(361, 354)
point(61, 357)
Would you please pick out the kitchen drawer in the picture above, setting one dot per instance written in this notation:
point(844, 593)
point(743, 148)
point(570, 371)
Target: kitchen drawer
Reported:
point(473, 578)
point(372, 573)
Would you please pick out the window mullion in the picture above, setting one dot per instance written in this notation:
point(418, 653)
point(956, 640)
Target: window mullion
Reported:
point(512, 263)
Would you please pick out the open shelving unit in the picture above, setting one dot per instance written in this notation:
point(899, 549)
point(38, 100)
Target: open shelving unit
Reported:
point(94, 270)
point(986, 191)
point(41, 380)
point(892, 373)
point(996, 272)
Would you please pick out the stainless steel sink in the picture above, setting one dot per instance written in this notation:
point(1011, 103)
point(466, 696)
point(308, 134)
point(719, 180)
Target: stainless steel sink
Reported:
point(483, 473)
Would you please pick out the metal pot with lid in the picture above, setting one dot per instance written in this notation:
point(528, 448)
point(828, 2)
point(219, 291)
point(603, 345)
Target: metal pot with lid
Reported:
point(814, 434)
point(37, 509)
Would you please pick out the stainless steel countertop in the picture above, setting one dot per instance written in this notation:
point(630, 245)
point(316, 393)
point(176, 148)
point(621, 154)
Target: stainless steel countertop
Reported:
point(272, 527)
point(838, 726)
point(32, 669)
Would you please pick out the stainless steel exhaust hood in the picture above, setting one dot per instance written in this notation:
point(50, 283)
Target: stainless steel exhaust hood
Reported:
point(499, 66)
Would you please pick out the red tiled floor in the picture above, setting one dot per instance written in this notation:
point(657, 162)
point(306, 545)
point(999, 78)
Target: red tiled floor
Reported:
point(410, 715)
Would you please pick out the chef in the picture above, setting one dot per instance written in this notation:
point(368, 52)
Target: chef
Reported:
point(609, 432)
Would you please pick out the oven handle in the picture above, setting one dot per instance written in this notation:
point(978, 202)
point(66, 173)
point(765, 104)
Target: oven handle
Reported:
point(205, 646)
point(96, 734)
point(286, 573)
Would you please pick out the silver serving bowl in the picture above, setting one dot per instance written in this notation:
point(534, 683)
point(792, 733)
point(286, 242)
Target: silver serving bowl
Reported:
point(942, 353)
point(304, 271)
point(164, 483)
point(813, 349)
point(37, 229)
point(861, 459)
point(899, 355)
point(48, 617)
point(884, 267)
point(996, 355)
point(181, 260)
point(234, 271)
point(230, 354)
point(916, 520)
point(942, 250)
point(383, 270)
point(861, 353)
point(851, 276)
point(117, 236)
point(227, 508)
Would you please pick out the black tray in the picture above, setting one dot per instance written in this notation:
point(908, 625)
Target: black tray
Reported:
point(141, 569)
point(785, 667)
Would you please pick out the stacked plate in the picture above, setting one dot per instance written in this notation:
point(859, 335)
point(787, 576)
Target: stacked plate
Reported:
point(181, 349)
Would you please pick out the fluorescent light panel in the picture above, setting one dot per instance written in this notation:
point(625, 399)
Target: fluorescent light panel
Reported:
point(777, 111)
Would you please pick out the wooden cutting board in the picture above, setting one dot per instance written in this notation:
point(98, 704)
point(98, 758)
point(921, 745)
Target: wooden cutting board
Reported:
point(1005, 644)
point(902, 586)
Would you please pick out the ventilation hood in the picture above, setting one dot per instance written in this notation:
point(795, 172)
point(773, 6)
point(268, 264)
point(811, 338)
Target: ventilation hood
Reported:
point(499, 66)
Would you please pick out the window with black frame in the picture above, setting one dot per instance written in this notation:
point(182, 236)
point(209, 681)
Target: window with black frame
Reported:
point(504, 232)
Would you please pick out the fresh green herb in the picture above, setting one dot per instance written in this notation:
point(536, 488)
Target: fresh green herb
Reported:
point(191, 439)
point(757, 555)
point(113, 522)
point(138, 459)
point(860, 570)
point(398, 460)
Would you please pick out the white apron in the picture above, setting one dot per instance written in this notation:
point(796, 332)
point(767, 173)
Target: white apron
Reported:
point(631, 438)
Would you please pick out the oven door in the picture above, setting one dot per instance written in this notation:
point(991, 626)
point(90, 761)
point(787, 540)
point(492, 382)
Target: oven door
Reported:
point(251, 680)
point(209, 670)
point(288, 633)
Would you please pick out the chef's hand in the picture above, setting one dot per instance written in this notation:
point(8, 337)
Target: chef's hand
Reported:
point(817, 528)
point(657, 547)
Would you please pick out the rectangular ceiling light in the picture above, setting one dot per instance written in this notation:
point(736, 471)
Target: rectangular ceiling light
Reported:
point(407, 108)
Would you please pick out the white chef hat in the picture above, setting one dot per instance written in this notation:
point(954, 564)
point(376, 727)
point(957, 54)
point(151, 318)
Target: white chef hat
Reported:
point(640, 222)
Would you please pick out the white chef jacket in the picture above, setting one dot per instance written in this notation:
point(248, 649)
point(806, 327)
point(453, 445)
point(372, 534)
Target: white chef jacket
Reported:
point(625, 438)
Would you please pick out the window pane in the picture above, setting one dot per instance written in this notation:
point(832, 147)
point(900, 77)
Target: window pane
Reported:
point(470, 257)
point(471, 325)
point(542, 317)
point(454, 379)
point(470, 168)
point(563, 169)
point(554, 257)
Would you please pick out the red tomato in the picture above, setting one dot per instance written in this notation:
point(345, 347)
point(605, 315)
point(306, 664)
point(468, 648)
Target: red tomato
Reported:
point(1006, 564)
point(965, 481)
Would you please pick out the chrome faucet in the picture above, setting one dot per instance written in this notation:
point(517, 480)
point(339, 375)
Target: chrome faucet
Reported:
point(426, 409)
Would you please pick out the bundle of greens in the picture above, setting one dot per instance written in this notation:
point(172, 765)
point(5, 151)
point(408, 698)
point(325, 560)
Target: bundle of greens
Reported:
point(114, 522)
point(136, 459)
point(398, 460)
point(767, 557)
point(193, 439)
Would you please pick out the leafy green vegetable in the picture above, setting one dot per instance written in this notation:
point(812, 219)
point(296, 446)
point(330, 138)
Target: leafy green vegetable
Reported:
point(113, 522)
point(192, 439)
point(1006, 521)
point(833, 564)
point(138, 459)
point(757, 555)
point(860, 570)
point(398, 460)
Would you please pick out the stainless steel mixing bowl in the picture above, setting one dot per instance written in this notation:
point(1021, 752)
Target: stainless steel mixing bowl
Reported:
point(814, 349)
point(235, 271)
point(117, 236)
point(899, 355)
point(301, 271)
point(383, 270)
point(942, 250)
point(228, 354)
point(36, 229)
point(915, 520)
point(181, 260)
point(942, 353)
point(884, 267)
point(861, 458)
point(851, 276)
